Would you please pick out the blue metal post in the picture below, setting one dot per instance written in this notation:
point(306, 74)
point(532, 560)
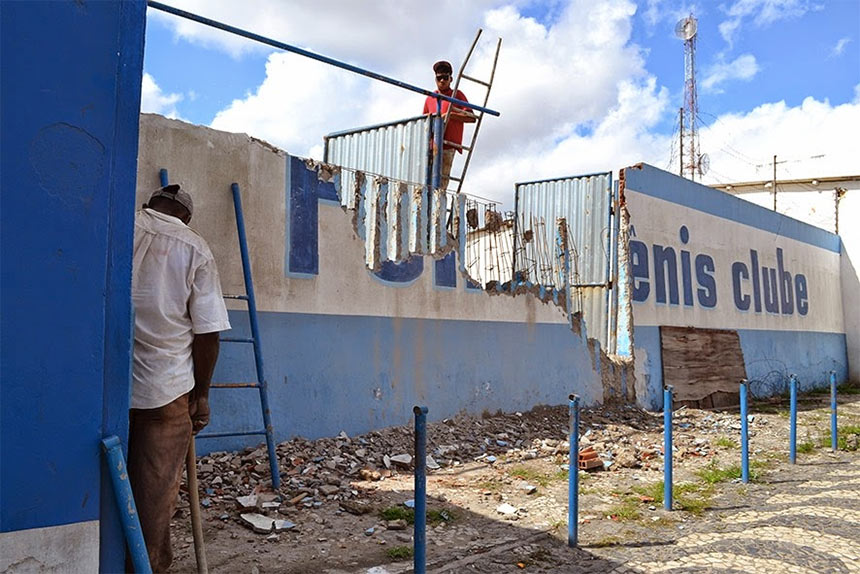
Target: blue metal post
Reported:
point(420, 539)
point(792, 439)
point(573, 474)
point(745, 451)
point(255, 334)
point(125, 503)
point(833, 442)
point(438, 145)
point(667, 447)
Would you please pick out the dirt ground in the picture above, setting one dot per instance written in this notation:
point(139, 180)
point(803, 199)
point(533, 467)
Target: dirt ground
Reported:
point(499, 499)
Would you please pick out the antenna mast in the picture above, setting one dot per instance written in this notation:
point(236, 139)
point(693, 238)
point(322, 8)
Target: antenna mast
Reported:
point(693, 161)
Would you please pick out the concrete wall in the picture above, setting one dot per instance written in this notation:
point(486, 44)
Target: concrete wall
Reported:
point(818, 207)
point(717, 242)
point(70, 102)
point(347, 348)
point(849, 231)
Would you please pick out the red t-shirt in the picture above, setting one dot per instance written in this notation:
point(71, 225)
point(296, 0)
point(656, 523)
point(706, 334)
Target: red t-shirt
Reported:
point(454, 131)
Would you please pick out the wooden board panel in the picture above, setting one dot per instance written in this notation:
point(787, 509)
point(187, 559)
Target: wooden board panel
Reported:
point(702, 364)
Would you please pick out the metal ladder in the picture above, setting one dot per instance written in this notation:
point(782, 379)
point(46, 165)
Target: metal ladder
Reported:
point(480, 115)
point(254, 339)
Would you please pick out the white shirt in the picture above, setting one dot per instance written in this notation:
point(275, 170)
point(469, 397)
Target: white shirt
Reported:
point(176, 294)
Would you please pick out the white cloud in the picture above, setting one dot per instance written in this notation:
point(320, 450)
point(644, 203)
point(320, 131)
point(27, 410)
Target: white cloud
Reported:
point(154, 100)
point(839, 48)
point(574, 92)
point(743, 67)
point(761, 13)
point(741, 145)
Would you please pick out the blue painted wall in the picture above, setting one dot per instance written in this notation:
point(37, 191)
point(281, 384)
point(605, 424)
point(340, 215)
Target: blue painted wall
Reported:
point(329, 373)
point(70, 103)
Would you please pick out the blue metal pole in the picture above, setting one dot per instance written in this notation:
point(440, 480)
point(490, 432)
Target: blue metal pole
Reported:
point(745, 452)
point(420, 539)
point(792, 450)
point(308, 54)
point(792, 439)
point(573, 474)
point(667, 447)
point(438, 138)
point(255, 333)
point(125, 503)
point(833, 441)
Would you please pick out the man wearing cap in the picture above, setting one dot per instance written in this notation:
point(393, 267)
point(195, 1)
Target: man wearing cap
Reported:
point(178, 313)
point(454, 131)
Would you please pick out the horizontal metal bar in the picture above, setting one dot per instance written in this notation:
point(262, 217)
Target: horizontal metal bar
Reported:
point(236, 340)
point(591, 284)
point(234, 385)
point(223, 434)
point(311, 55)
point(476, 80)
point(373, 127)
point(240, 297)
point(563, 178)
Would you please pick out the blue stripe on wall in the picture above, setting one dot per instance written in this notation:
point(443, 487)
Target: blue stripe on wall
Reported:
point(328, 373)
point(663, 185)
point(769, 357)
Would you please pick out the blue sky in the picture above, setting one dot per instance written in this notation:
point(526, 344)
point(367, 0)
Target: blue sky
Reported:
point(582, 86)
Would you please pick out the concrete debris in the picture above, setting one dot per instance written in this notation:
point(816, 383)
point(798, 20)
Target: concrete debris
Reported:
point(399, 524)
point(282, 525)
point(342, 471)
point(402, 460)
point(246, 502)
point(506, 509)
point(257, 522)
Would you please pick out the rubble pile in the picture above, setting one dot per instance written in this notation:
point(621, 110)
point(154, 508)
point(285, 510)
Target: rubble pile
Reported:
point(342, 470)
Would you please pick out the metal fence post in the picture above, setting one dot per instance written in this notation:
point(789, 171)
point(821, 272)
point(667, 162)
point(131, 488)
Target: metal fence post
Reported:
point(125, 502)
point(667, 447)
point(573, 474)
point(745, 451)
point(833, 441)
point(420, 538)
point(792, 439)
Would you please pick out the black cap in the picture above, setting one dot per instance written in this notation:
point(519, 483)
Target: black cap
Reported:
point(443, 66)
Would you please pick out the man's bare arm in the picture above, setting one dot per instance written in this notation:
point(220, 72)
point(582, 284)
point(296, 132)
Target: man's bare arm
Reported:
point(204, 353)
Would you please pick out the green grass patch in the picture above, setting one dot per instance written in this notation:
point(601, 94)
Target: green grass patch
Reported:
point(399, 552)
point(398, 513)
point(654, 491)
point(537, 477)
point(842, 434)
point(806, 447)
point(726, 442)
point(434, 516)
point(627, 509)
point(694, 500)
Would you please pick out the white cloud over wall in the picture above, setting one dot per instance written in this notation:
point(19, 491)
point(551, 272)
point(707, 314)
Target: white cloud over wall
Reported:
point(575, 94)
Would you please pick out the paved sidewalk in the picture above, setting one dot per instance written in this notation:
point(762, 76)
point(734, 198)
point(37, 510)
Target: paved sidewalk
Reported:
point(802, 519)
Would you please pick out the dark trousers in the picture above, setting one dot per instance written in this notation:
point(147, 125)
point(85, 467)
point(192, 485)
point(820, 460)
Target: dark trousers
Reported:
point(157, 446)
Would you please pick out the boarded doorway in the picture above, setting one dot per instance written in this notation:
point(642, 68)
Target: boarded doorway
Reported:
point(703, 365)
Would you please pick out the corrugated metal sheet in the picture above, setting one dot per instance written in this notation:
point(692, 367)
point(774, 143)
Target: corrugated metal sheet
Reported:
point(397, 150)
point(585, 203)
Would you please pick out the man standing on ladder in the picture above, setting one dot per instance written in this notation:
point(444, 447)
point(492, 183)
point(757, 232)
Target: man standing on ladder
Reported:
point(456, 118)
point(179, 311)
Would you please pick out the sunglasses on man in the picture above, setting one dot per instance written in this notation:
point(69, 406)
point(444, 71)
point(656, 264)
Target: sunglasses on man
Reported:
point(443, 77)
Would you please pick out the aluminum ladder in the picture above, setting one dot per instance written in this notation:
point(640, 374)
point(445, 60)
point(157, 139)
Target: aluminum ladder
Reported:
point(260, 384)
point(461, 75)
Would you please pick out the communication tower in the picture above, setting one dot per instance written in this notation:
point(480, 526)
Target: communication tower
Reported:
point(693, 162)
